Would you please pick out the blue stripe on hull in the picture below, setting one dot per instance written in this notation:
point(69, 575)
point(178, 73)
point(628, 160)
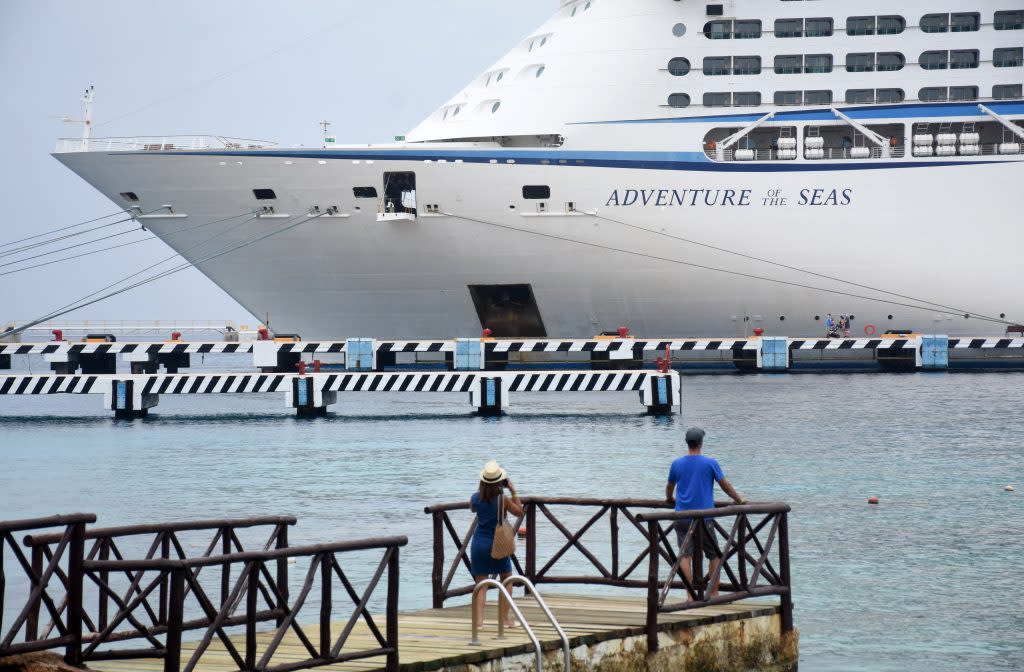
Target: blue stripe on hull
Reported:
point(682, 161)
point(895, 112)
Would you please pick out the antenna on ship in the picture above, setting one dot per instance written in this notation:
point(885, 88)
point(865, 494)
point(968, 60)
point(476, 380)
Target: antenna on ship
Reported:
point(328, 138)
point(88, 98)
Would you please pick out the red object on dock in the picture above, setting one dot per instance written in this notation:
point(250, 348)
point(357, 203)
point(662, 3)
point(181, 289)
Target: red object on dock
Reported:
point(263, 334)
point(175, 335)
point(301, 366)
point(623, 332)
point(758, 331)
point(487, 333)
point(316, 366)
point(58, 335)
point(872, 500)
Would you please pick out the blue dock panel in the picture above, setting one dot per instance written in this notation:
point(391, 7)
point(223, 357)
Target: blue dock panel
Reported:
point(359, 354)
point(122, 395)
point(468, 354)
point(935, 352)
point(774, 353)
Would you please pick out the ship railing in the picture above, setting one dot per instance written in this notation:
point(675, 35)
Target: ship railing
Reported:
point(833, 153)
point(158, 143)
point(758, 155)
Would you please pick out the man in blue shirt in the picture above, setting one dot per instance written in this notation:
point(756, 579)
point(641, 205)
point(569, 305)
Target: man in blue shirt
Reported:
point(691, 485)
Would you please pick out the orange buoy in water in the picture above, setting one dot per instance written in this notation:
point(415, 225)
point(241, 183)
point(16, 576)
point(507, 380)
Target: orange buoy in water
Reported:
point(522, 531)
point(872, 500)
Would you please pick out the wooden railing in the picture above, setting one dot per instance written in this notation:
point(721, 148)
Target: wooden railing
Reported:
point(157, 595)
point(164, 541)
point(68, 546)
point(640, 535)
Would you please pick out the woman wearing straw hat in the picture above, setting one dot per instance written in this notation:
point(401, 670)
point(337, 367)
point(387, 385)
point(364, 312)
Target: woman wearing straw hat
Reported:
point(486, 503)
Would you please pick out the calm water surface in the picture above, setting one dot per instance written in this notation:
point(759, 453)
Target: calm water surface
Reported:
point(929, 580)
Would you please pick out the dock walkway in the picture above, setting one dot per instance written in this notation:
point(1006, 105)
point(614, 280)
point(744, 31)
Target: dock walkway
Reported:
point(433, 639)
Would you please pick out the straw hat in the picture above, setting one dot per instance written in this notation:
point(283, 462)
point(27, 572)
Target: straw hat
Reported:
point(493, 473)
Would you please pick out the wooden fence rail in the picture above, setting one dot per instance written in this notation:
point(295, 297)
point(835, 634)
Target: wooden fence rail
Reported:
point(742, 566)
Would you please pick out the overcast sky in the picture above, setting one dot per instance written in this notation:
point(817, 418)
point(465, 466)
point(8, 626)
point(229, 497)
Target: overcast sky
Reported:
point(246, 68)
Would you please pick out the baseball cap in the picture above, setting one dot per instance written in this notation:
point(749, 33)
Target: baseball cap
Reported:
point(695, 434)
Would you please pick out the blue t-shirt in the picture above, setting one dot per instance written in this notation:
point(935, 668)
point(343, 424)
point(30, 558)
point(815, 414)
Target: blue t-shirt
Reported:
point(695, 476)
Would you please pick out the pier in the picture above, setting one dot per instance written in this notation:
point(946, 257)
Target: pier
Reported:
point(221, 595)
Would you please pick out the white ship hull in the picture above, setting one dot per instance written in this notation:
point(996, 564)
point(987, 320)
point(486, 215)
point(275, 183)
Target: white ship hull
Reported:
point(933, 233)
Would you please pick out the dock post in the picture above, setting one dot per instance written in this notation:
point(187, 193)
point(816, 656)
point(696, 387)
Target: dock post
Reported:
point(76, 579)
point(661, 393)
point(127, 402)
point(391, 626)
point(787, 598)
point(489, 397)
point(773, 353)
point(307, 398)
point(932, 352)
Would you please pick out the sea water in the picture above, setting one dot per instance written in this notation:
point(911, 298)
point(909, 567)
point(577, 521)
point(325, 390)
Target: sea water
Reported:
point(929, 579)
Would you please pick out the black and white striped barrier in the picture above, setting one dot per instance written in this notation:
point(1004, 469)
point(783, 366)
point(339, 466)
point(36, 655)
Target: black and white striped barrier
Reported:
point(474, 354)
point(132, 395)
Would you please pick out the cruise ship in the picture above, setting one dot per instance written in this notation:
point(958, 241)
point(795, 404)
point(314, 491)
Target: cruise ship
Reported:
point(682, 168)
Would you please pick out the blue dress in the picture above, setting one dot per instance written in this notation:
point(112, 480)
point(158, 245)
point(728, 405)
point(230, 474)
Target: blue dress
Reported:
point(480, 548)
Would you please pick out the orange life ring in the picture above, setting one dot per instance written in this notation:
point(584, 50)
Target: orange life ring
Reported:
point(869, 329)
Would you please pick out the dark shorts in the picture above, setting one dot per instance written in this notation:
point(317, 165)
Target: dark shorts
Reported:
point(709, 545)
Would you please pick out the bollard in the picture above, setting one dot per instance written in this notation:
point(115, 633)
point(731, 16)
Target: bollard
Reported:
point(659, 394)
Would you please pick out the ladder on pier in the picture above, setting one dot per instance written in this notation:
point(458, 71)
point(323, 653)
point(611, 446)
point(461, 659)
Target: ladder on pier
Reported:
point(504, 591)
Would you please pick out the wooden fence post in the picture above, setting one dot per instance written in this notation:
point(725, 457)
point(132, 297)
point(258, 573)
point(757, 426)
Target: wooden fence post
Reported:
point(437, 573)
point(32, 623)
point(391, 627)
point(175, 617)
point(282, 572)
point(787, 598)
point(653, 534)
point(76, 556)
point(325, 604)
point(531, 541)
point(251, 607)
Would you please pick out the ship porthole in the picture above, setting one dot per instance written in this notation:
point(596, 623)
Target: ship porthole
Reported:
point(1002, 316)
point(679, 29)
point(782, 318)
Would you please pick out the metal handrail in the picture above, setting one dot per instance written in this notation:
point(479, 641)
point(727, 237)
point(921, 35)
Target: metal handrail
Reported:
point(503, 592)
point(532, 590)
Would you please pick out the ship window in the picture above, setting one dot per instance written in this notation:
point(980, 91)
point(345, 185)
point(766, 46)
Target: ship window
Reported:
point(817, 97)
point(963, 93)
point(716, 100)
point(789, 27)
point(818, 63)
point(1007, 91)
point(679, 100)
point(788, 65)
point(747, 65)
point(932, 94)
point(741, 30)
point(890, 61)
point(364, 192)
point(960, 59)
point(264, 194)
point(891, 25)
point(860, 96)
point(1008, 58)
point(889, 96)
point(536, 192)
point(788, 97)
point(860, 25)
point(679, 66)
point(717, 65)
point(494, 108)
point(935, 23)
point(860, 62)
point(935, 60)
point(748, 29)
point(130, 196)
point(679, 29)
point(1013, 20)
point(818, 27)
point(964, 22)
point(746, 98)
point(540, 71)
